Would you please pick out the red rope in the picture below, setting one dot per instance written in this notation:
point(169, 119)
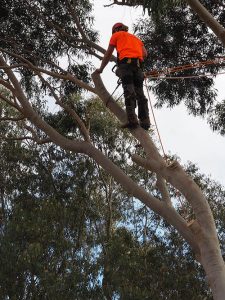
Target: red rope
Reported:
point(149, 99)
point(195, 65)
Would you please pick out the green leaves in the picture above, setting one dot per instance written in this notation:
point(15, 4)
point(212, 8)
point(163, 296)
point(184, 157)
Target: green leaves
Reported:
point(68, 229)
point(180, 31)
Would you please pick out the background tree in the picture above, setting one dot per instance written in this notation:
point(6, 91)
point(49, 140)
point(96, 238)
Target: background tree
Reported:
point(68, 230)
point(63, 29)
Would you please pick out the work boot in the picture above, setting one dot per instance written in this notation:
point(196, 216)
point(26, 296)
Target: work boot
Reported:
point(145, 123)
point(132, 121)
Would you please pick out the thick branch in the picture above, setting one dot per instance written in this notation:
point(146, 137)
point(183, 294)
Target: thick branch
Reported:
point(138, 133)
point(34, 117)
point(208, 19)
point(64, 76)
point(175, 175)
point(159, 207)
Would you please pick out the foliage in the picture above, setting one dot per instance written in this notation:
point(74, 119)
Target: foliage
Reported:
point(180, 31)
point(217, 118)
point(64, 235)
point(30, 33)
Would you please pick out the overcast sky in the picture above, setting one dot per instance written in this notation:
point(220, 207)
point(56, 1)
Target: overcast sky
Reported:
point(188, 137)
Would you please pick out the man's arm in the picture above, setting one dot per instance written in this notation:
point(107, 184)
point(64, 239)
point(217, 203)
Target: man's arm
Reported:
point(106, 58)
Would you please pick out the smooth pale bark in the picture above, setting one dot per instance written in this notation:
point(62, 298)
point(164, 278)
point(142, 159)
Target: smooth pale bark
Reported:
point(205, 231)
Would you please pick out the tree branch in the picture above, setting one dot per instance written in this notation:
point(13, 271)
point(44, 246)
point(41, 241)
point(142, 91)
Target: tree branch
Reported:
point(175, 175)
point(84, 36)
point(165, 211)
point(34, 117)
point(70, 111)
point(35, 136)
point(13, 104)
point(65, 76)
point(124, 2)
point(208, 19)
point(12, 119)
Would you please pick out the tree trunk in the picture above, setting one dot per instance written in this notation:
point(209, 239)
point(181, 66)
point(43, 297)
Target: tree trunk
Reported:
point(211, 260)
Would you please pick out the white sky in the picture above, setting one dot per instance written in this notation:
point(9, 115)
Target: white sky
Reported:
point(188, 137)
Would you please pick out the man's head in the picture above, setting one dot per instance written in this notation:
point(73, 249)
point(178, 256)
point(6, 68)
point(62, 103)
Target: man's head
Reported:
point(119, 27)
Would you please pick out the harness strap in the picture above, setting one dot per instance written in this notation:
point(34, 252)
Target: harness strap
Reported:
point(130, 60)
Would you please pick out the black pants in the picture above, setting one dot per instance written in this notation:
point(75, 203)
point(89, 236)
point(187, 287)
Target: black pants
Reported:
point(132, 79)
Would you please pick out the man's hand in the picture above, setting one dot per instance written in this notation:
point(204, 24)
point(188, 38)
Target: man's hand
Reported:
point(105, 59)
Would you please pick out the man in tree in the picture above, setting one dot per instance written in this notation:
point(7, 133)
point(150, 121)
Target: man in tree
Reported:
point(131, 53)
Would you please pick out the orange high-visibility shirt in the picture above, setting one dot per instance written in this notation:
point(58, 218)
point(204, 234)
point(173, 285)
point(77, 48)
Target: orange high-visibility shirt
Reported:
point(127, 45)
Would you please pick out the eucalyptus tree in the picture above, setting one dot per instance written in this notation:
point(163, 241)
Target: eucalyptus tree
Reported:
point(70, 231)
point(35, 36)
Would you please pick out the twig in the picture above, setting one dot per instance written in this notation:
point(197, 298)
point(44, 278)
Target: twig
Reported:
point(12, 119)
point(13, 104)
point(73, 114)
point(84, 36)
point(66, 76)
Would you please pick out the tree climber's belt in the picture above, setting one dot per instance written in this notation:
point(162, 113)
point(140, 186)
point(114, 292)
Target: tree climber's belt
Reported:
point(128, 60)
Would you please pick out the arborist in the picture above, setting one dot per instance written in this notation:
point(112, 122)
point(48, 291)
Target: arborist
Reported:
point(131, 53)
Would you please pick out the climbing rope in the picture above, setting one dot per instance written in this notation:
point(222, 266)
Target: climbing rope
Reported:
point(185, 77)
point(153, 114)
point(168, 71)
point(162, 75)
point(157, 74)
